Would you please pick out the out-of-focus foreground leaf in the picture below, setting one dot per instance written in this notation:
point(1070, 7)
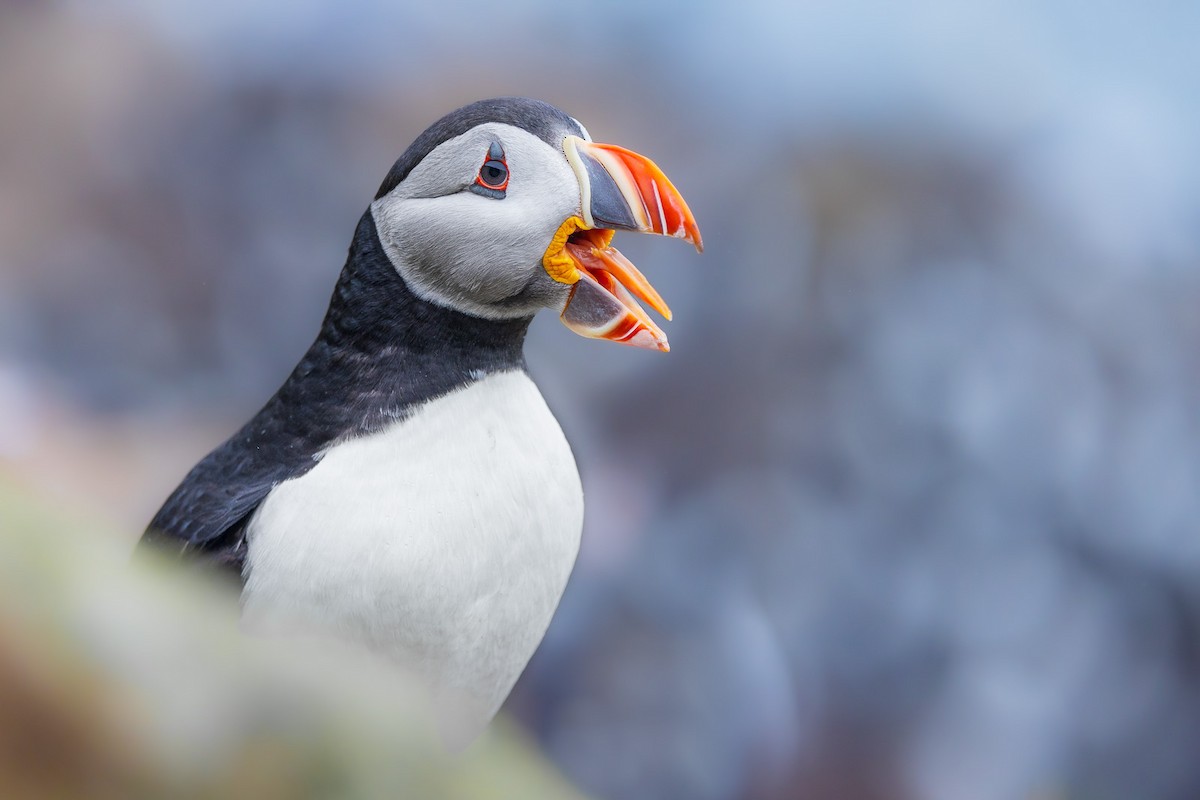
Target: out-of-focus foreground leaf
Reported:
point(121, 682)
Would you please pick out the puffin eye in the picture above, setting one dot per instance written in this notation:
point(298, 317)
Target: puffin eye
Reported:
point(494, 174)
point(492, 179)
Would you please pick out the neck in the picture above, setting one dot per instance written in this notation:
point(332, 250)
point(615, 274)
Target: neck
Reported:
point(374, 311)
point(382, 351)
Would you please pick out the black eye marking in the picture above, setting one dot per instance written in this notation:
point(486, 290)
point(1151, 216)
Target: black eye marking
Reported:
point(492, 179)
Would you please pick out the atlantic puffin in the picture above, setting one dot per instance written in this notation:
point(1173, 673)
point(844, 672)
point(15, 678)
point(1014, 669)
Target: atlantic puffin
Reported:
point(407, 488)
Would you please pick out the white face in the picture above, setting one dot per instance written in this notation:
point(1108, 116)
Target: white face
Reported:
point(475, 253)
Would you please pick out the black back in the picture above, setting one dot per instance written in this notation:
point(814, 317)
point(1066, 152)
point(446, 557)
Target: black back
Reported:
point(381, 352)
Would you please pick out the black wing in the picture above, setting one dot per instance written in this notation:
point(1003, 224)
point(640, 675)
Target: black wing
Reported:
point(206, 515)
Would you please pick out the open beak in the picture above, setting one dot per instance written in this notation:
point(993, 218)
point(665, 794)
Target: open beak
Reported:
point(619, 189)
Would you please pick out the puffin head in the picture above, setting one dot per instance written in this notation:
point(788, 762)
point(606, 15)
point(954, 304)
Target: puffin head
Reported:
point(507, 206)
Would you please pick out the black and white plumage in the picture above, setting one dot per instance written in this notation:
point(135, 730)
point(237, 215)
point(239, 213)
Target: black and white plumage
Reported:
point(407, 486)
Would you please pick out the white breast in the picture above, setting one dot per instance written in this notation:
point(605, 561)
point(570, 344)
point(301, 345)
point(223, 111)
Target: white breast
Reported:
point(444, 541)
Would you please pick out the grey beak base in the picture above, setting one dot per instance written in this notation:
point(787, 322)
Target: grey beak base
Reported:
point(608, 206)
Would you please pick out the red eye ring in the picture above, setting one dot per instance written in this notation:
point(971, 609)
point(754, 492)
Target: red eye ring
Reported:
point(493, 174)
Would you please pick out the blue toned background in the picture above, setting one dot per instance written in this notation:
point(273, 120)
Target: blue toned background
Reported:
point(911, 510)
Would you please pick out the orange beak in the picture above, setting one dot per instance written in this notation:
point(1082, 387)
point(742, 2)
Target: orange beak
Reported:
point(619, 189)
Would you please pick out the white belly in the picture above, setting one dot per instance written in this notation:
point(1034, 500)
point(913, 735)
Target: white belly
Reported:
point(444, 541)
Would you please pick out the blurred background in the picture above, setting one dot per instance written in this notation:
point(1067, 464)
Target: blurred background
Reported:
point(912, 508)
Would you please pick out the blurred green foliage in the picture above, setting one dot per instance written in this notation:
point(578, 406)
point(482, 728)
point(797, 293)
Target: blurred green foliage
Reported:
point(130, 681)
